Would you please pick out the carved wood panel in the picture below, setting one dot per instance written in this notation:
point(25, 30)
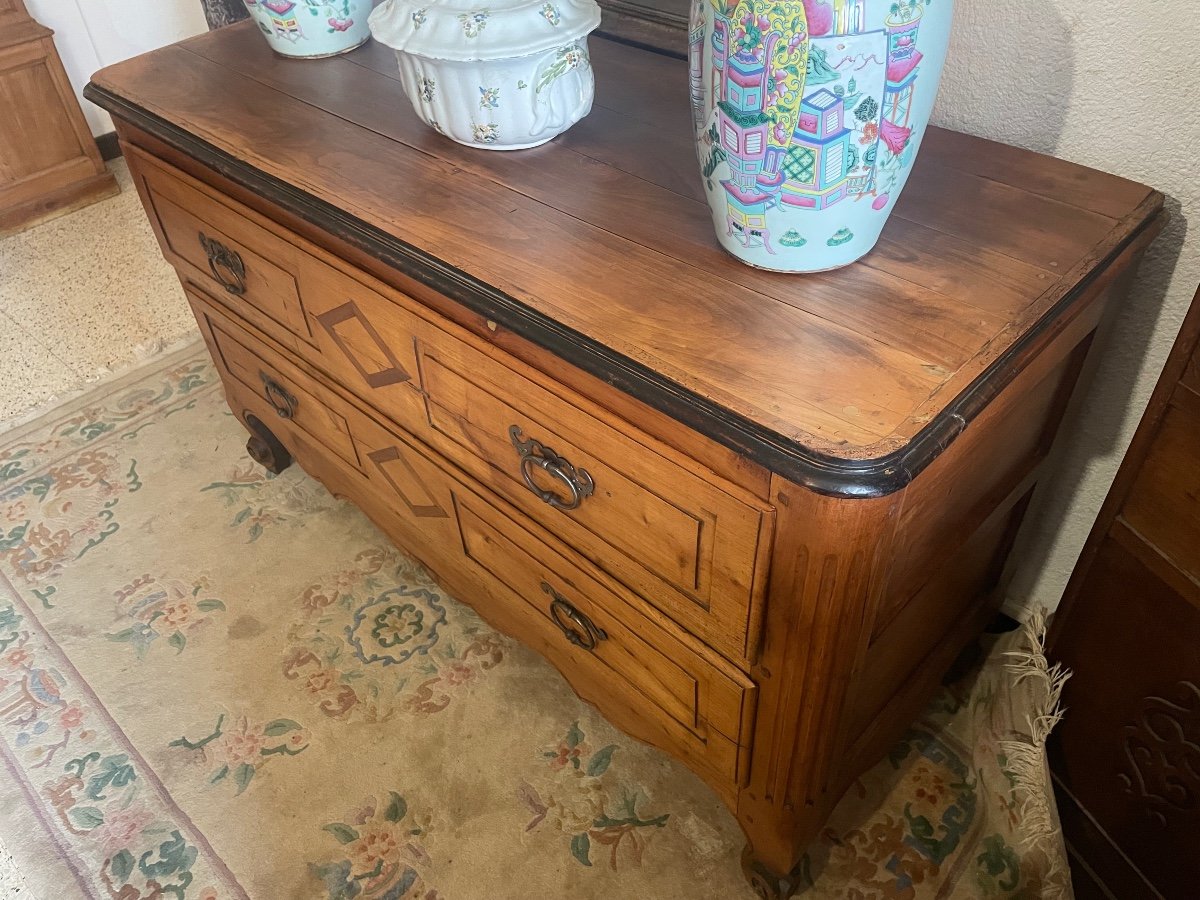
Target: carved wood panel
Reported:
point(1162, 753)
point(1128, 749)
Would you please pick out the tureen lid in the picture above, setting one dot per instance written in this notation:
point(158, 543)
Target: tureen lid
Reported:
point(481, 29)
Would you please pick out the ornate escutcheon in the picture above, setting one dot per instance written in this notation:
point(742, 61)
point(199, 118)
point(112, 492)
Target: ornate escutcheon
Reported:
point(578, 628)
point(535, 455)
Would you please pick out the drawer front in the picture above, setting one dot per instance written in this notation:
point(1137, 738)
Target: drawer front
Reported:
point(385, 475)
point(296, 403)
point(216, 246)
point(693, 549)
point(287, 287)
point(1164, 502)
point(612, 654)
point(645, 676)
point(689, 547)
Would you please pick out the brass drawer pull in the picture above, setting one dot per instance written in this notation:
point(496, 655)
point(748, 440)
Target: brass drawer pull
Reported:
point(278, 396)
point(226, 265)
point(578, 628)
point(533, 455)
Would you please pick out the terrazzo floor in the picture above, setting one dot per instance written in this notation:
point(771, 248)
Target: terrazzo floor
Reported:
point(82, 297)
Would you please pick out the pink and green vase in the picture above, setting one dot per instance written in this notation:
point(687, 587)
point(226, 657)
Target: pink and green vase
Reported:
point(808, 117)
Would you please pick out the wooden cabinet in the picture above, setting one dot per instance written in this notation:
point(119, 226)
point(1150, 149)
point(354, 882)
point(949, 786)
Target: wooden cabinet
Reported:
point(1126, 758)
point(48, 161)
point(751, 517)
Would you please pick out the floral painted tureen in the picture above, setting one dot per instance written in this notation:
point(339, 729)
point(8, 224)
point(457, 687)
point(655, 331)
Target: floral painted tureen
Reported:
point(502, 75)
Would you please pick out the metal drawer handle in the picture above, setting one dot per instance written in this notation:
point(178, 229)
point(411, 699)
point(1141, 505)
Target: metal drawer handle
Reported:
point(278, 396)
point(226, 265)
point(535, 455)
point(578, 628)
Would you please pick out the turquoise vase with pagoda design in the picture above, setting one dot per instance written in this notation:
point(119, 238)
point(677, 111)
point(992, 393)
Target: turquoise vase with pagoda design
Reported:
point(311, 29)
point(808, 117)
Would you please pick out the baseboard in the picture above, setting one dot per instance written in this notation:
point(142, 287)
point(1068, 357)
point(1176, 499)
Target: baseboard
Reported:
point(110, 146)
point(66, 199)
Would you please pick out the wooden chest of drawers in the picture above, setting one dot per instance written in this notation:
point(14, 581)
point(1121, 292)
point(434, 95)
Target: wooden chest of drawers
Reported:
point(752, 518)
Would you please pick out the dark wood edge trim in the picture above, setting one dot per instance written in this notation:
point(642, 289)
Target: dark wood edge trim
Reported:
point(792, 460)
point(109, 145)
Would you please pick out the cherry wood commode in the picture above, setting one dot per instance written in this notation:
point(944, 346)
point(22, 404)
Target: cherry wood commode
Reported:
point(752, 517)
point(49, 163)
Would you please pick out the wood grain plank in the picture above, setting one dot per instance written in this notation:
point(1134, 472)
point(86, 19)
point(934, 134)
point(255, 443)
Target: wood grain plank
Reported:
point(980, 276)
point(719, 340)
point(891, 310)
point(970, 271)
point(636, 90)
point(1047, 176)
point(1043, 232)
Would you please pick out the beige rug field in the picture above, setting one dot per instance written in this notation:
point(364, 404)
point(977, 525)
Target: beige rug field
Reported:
point(219, 684)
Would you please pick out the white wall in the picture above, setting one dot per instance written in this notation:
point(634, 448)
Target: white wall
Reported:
point(1112, 85)
point(91, 34)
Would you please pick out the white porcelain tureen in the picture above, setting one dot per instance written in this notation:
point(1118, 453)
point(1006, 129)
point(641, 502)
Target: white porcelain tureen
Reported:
point(502, 75)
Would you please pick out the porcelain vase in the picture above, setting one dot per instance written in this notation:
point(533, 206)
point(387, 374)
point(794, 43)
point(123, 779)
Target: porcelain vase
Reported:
point(808, 117)
point(493, 74)
point(312, 29)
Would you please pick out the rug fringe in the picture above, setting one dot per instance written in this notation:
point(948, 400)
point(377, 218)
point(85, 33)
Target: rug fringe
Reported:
point(1027, 759)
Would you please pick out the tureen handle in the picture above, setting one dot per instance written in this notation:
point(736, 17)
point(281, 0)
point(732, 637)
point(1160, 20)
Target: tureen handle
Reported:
point(556, 105)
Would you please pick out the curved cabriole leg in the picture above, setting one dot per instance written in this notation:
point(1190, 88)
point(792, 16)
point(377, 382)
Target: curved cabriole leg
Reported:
point(264, 448)
point(770, 885)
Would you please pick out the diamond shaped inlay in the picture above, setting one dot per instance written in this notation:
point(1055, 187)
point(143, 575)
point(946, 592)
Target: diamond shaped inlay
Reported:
point(407, 483)
point(357, 338)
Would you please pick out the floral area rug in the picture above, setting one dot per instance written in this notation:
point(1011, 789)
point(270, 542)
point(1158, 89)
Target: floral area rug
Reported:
point(215, 683)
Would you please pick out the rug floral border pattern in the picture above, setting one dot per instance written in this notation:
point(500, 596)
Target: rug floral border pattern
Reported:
point(102, 804)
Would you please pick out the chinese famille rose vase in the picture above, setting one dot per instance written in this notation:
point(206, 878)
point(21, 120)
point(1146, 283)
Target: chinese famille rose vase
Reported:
point(311, 29)
point(808, 116)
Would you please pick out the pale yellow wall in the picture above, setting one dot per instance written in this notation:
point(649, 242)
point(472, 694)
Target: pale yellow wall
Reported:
point(1113, 85)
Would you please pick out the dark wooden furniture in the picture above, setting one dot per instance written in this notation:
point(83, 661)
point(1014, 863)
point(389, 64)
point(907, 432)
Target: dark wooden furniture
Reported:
point(1126, 758)
point(219, 13)
point(49, 163)
point(658, 24)
point(752, 517)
